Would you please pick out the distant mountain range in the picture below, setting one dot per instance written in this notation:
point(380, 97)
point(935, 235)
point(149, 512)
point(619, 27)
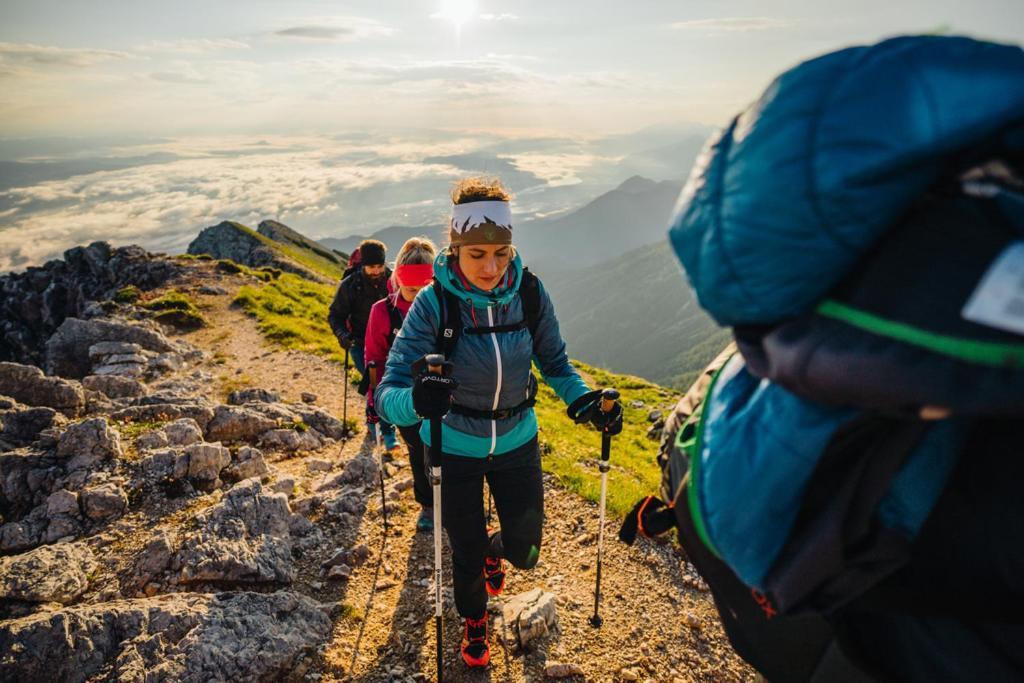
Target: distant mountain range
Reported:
point(636, 314)
point(632, 215)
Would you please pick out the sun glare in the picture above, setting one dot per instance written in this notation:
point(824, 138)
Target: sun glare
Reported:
point(457, 11)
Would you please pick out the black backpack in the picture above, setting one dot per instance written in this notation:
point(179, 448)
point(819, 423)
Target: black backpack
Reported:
point(451, 330)
point(451, 327)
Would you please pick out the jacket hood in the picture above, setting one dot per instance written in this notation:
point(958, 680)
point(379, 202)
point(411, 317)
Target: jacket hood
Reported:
point(499, 296)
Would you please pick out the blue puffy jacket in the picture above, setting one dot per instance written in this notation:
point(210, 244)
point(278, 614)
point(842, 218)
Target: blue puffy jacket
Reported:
point(791, 194)
point(783, 203)
point(493, 370)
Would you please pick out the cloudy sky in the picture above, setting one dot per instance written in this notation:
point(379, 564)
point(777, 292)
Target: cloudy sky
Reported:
point(144, 121)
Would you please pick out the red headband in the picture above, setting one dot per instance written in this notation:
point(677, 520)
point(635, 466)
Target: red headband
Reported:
point(415, 274)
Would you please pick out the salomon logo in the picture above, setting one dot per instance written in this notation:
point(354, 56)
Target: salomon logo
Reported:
point(448, 333)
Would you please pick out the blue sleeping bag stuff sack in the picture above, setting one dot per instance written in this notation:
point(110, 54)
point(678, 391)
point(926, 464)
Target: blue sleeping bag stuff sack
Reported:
point(831, 226)
point(797, 187)
point(761, 444)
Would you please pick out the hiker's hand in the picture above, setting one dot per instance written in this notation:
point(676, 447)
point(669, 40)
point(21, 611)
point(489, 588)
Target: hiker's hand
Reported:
point(345, 341)
point(371, 415)
point(650, 517)
point(432, 395)
point(607, 422)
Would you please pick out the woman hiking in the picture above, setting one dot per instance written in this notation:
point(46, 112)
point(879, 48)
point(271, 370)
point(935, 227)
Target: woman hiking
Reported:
point(503, 321)
point(414, 270)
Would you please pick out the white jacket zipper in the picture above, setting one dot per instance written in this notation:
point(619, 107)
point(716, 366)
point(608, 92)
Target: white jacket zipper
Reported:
point(497, 390)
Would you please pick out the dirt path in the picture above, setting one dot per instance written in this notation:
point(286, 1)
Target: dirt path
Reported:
point(659, 621)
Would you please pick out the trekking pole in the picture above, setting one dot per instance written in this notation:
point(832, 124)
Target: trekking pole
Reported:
point(344, 407)
point(435, 364)
point(372, 369)
point(608, 399)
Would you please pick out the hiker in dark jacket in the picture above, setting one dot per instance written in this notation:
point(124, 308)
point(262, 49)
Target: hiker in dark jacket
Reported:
point(356, 295)
point(491, 429)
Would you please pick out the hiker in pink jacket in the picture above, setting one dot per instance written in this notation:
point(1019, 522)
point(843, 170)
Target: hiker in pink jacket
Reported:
point(414, 270)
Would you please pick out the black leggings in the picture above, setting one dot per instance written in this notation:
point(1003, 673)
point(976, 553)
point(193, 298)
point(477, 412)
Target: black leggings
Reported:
point(420, 481)
point(518, 489)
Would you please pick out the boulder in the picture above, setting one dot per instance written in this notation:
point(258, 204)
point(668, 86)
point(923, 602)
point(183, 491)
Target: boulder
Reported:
point(89, 443)
point(525, 618)
point(113, 348)
point(27, 384)
point(154, 558)
point(234, 423)
point(322, 421)
point(164, 412)
point(291, 440)
point(241, 396)
point(187, 637)
point(248, 463)
point(243, 539)
point(52, 573)
point(67, 350)
point(205, 462)
point(103, 502)
point(183, 432)
point(24, 426)
point(113, 386)
point(152, 440)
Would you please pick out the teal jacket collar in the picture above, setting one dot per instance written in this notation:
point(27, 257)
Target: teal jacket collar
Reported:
point(499, 296)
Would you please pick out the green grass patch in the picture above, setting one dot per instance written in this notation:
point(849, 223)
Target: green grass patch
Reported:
point(292, 312)
point(127, 295)
point(133, 430)
point(177, 310)
point(571, 451)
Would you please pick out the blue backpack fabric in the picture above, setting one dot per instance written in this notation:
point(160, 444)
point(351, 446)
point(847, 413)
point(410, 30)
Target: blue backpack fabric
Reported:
point(800, 185)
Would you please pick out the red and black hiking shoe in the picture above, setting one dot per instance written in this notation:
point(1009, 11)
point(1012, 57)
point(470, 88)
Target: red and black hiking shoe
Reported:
point(494, 575)
point(475, 652)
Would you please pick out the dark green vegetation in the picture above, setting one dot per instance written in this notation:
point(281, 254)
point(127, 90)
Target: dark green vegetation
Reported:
point(637, 314)
point(292, 312)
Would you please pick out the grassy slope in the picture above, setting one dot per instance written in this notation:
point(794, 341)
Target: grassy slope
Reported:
point(292, 312)
point(305, 257)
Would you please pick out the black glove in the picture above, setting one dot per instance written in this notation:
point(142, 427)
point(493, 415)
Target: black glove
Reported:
point(346, 341)
point(650, 517)
point(587, 408)
point(432, 395)
point(610, 422)
point(371, 415)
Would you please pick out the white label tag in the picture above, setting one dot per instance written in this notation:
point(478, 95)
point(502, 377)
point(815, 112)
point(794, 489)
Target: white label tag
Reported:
point(999, 300)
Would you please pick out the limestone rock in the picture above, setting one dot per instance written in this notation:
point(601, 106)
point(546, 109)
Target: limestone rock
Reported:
point(104, 501)
point(243, 539)
point(153, 560)
point(113, 386)
point(234, 423)
point(89, 443)
point(159, 412)
point(183, 432)
point(308, 397)
point(67, 350)
point(205, 462)
point(23, 426)
point(248, 463)
point(27, 384)
point(290, 440)
point(187, 637)
point(562, 670)
point(322, 421)
point(525, 618)
point(152, 440)
point(241, 396)
point(51, 573)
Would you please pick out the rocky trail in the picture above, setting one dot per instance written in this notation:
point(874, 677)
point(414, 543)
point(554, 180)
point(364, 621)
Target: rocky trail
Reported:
point(184, 505)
